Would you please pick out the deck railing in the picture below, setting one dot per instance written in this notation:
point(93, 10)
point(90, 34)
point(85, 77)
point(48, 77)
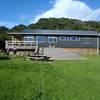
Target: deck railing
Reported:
point(21, 44)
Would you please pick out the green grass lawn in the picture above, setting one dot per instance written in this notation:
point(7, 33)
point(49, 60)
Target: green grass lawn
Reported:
point(53, 80)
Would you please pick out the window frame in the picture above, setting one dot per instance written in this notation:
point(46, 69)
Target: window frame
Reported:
point(67, 38)
point(27, 38)
point(75, 39)
point(86, 42)
point(62, 39)
point(54, 37)
point(44, 41)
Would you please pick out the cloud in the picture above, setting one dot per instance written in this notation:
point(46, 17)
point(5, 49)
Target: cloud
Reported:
point(70, 9)
point(95, 15)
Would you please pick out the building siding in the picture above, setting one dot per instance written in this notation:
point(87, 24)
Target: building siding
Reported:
point(72, 44)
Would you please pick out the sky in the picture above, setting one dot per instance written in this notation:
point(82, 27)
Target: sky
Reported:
point(14, 12)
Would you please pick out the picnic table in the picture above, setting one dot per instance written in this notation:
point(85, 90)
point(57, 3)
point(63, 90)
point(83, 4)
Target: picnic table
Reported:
point(39, 57)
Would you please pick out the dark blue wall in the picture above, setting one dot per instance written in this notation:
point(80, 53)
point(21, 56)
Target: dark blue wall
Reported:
point(72, 44)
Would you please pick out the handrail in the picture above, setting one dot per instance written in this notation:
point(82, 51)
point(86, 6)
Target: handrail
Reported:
point(21, 44)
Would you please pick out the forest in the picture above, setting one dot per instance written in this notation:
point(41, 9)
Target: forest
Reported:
point(52, 24)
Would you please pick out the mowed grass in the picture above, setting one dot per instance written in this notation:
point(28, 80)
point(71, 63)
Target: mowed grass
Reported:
point(52, 80)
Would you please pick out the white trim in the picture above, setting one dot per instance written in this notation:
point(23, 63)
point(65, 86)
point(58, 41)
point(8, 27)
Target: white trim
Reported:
point(21, 44)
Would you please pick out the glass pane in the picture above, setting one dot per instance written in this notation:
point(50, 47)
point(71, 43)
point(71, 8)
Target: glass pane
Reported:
point(74, 38)
point(67, 38)
point(62, 38)
point(28, 38)
point(52, 39)
point(41, 39)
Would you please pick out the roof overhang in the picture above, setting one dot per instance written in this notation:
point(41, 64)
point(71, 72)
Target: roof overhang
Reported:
point(57, 34)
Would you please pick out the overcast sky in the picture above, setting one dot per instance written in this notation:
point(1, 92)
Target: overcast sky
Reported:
point(14, 12)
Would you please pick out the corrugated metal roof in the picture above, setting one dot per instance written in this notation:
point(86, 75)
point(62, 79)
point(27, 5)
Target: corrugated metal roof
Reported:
point(57, 32)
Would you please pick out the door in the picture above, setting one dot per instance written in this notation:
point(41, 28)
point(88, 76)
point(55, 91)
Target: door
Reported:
point(52, 41)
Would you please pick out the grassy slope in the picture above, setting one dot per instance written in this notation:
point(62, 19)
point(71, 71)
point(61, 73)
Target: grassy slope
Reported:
point(57, 80)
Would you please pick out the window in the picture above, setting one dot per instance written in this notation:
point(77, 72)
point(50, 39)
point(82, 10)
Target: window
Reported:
point(62, 38)
point(41, 39)
point(86, 42)
point(75, 38)
point(67, 38)
point(52, 39)
point(29, 38)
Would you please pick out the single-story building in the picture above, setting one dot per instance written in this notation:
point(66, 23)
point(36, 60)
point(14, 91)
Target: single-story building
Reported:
point(60, 38)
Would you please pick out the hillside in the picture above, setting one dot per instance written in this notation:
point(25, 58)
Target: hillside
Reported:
point(57, 23)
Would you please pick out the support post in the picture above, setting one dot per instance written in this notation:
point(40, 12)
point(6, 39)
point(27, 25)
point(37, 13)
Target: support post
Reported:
point(12, 38)
point(98, 45)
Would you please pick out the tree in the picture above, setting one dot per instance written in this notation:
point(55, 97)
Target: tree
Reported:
point(4, 28)
point(3, 35)
point(18, 28)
